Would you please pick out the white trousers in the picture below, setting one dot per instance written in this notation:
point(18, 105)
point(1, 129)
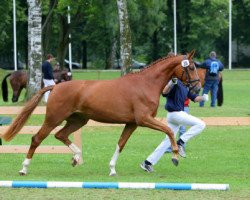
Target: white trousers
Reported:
point(175, 120)
point(47, 82)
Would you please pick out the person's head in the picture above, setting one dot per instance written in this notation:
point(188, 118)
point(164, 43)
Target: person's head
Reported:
point(212, 54)
point(49, 57)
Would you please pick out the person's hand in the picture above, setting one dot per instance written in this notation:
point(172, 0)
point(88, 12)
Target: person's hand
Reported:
point(205, 97)
point(174, 81)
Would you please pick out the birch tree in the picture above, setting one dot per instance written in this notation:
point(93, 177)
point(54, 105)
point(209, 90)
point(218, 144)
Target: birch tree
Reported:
point(34, 47)
point(125, 37)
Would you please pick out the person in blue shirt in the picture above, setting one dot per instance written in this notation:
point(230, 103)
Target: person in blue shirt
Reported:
point(48, 78)
point(213, 66)
point(176, 94)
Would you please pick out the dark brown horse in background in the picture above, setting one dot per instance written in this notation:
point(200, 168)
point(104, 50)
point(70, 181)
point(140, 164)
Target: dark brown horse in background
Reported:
point(19, 79)
point(202, 74)
point(132, 99)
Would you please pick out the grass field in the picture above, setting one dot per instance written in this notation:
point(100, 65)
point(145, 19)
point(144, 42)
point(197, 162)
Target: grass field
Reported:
point(217, 155)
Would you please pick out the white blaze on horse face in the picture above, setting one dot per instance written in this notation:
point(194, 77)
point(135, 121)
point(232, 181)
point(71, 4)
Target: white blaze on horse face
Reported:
point(113, 161)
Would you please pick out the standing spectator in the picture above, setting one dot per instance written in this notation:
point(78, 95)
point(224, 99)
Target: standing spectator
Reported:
point(213, 66)
point(176, 94)
point(48, 78)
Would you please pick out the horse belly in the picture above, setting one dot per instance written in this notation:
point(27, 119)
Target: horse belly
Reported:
point(109, 113)
point(105, 107)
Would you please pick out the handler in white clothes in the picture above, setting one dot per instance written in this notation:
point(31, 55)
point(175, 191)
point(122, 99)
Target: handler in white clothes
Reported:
point(176, 94)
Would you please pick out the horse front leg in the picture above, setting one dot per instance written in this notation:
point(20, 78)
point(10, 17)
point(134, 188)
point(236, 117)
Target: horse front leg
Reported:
point(151, 122)
point(126, 133)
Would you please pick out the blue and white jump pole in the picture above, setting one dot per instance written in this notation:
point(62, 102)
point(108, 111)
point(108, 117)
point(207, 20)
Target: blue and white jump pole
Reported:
point(113, 185)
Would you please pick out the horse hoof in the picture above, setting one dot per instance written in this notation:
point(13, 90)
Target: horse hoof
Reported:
point(74, 162)
point(175, 161)
point(22, 173)
point(112, 174)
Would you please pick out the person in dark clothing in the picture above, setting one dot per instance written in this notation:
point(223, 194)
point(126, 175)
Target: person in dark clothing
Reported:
point(48, 78)
point(176, 93)
point(213, 66)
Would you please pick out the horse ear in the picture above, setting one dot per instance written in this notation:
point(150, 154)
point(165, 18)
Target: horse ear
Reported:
point(191, 54)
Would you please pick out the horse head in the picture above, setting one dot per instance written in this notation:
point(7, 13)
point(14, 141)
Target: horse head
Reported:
point(66, 75)
point(62, 75)
point(187, 73)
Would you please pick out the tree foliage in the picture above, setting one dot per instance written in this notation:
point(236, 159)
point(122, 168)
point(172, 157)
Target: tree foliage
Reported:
point(94, 28)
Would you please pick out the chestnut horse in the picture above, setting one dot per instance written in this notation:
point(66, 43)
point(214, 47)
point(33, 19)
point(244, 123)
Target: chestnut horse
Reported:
point(132, 99)
point(18, 81)
point(202, 74)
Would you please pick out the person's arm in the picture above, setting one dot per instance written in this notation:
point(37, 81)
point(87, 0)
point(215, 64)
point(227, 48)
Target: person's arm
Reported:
point(50, 71)
point(196, 97)
point(200, 64)
point(169, 86)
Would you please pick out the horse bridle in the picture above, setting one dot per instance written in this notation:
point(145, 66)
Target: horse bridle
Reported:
point(185, 66)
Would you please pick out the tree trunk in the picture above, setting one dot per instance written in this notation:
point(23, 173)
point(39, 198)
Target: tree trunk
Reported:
point(35, 48)
point(125, 37)
point(65, 29)
point(84, 54)
point(47, 28)
point(155, 46)
point(113, 55)
point(63, 40)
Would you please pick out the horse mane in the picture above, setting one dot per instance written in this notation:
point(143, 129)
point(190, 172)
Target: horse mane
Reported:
point(159, 60)
point(170, 55)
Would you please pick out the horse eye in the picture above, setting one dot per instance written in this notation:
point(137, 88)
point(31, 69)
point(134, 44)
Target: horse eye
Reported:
point(191, 68)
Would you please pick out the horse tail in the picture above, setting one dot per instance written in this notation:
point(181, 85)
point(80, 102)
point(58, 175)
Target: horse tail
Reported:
point(220, 93)
point(22, 117)
point(5, 88)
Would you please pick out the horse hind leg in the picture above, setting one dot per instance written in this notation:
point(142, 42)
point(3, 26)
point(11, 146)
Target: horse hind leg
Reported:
point(74, 122)
point(35, 142)
point(126, 133)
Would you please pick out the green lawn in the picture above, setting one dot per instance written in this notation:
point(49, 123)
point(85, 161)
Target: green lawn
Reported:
point(217, 155)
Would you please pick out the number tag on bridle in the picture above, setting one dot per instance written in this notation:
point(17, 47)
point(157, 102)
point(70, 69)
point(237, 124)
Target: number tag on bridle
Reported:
point(69, 74)
point(185, 63)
